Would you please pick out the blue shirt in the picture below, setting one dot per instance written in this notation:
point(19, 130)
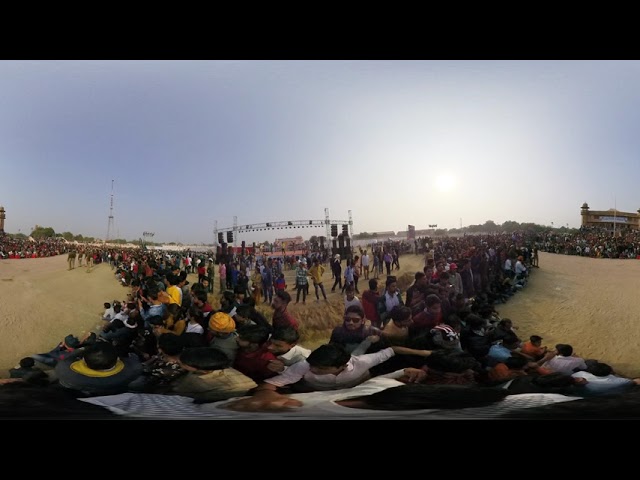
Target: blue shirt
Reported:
point(497, 354)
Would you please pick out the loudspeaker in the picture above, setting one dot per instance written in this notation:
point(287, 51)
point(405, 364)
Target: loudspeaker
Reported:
point(341, 246)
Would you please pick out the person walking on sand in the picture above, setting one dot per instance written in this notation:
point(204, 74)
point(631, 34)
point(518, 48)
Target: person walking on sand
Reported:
point(88, 256)
point(71, 259)
point(316, 272)
point(336, 268)
point(365, 265)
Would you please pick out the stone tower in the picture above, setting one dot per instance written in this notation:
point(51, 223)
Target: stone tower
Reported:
point(584, 211)
point(2, 217)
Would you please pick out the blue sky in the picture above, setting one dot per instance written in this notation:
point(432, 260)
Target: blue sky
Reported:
point(395, 142)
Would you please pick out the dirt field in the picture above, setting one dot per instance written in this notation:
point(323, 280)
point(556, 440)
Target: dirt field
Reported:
point(588, 303)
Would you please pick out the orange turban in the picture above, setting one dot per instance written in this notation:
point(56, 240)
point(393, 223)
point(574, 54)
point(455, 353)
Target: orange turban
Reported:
point(222, 322)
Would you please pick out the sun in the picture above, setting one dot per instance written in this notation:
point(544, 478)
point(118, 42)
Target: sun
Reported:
point(445, 182)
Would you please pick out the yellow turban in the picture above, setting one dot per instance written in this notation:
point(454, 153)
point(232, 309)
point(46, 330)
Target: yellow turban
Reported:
point(222, 322)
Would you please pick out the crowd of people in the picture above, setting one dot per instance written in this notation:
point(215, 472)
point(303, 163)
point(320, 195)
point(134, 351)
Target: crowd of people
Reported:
point(16, 248)
point(595, 242)
point(165, 351)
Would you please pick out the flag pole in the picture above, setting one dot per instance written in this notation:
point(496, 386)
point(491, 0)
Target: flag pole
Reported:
point(615, 208)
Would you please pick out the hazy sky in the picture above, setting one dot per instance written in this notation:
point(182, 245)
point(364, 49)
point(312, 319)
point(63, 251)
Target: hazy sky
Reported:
point(395, 142)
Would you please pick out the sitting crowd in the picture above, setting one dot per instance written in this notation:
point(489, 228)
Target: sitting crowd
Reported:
point(166, 345)
point(16, 248)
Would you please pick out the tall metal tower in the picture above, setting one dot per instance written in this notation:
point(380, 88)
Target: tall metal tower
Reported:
point(235, 231)
point(326, 224)
point(110, 226)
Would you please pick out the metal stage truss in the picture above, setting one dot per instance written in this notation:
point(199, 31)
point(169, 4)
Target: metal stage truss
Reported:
point(282, 225)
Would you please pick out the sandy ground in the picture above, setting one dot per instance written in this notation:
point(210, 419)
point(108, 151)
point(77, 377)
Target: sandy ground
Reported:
point(588, 303)
point(41, 302)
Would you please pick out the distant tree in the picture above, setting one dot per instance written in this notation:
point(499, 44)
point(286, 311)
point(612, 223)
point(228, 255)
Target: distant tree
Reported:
point(440, 232)
point(78, 238)
point(67, 236)
point(365, 235)
point(490, 226)
point(19, 236)
point(510, 226)
point(533, 227)
point(42, 232)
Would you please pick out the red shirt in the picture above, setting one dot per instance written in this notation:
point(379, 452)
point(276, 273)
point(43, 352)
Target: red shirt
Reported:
point(254, 364)
point(369, 301)
point(283, 319)
point(425, 321)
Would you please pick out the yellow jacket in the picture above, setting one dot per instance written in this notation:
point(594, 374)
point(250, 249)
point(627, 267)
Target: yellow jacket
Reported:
point(316, 273)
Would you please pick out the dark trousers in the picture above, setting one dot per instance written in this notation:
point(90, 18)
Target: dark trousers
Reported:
point(321, 286)
point(303, 289)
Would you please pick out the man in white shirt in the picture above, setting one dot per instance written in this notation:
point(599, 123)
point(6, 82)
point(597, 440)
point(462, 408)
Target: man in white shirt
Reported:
point(365, 264)
point(284, 345)
point(329, 367)
point(562, 360)
point(109, 312)
point(508, 268)
point(602, 381)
